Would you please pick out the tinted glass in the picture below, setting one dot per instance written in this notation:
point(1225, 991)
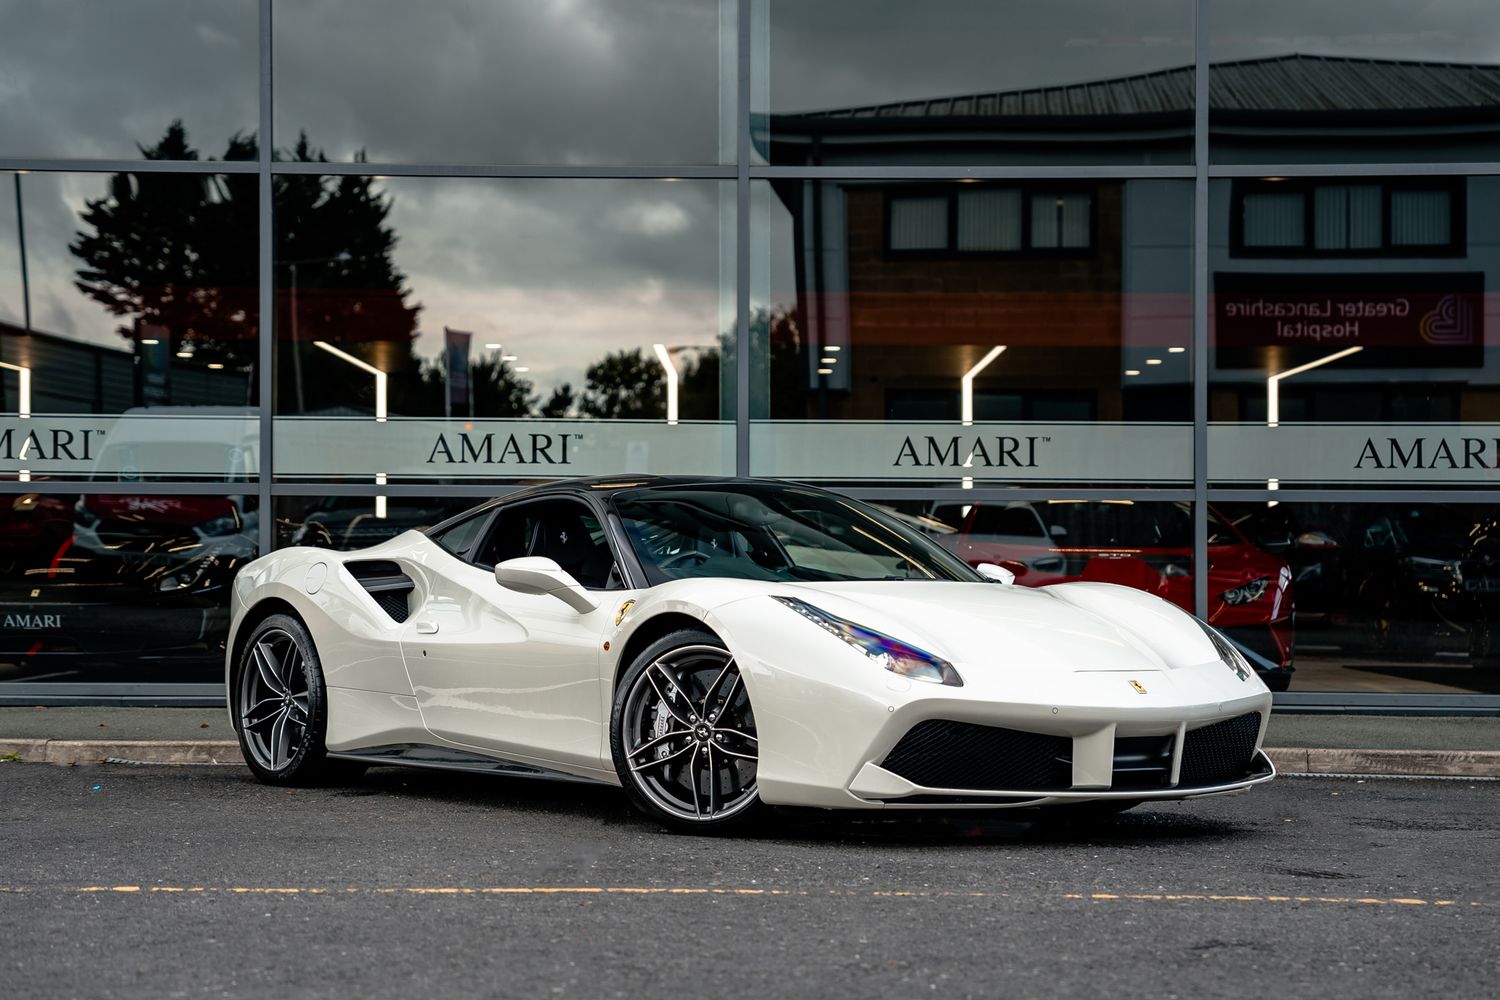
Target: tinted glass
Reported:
point(972, 333)
point(88, 80)
point(1383, 80)
point(769, 533)
point(116, 588)
point(128, 342)
point(474, 328)
point(969, 81)
point(358, 522)
point(565, 531)
point(1389, 597)
point(1348, 321)
point(507, 81)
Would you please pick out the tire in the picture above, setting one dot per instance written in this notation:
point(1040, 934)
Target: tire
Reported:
point(281, 707)
point(689, 771)
point(1279, 681)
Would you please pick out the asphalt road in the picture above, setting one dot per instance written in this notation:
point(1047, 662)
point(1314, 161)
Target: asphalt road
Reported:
point(198, 882)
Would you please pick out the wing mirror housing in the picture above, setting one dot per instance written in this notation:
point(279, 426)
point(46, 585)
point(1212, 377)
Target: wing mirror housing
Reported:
point(995, 573)
point(540, 575)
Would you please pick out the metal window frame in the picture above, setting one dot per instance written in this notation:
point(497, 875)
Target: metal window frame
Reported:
point(743, 172)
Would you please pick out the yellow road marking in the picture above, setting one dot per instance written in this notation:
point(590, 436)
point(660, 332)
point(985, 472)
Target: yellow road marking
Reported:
point(626, 890)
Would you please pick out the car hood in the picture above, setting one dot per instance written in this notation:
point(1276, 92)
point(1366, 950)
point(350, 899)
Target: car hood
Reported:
point(1067, 627)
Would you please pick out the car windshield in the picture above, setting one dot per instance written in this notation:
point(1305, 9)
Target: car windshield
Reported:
point(766, 532)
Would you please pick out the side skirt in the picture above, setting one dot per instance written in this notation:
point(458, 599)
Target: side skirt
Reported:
point(450, 759)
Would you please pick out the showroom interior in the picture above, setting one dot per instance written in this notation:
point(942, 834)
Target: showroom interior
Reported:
point(1187, 295)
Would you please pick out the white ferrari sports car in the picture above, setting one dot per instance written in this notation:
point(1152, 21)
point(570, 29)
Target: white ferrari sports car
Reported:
point(716, 646)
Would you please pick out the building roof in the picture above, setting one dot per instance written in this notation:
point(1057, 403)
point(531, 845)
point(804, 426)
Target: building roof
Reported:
point(1294, 83)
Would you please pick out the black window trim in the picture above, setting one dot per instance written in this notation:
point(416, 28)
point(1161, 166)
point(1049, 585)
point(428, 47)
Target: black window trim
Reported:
point(951, 190)
point(629, 572)
point(1455, 187)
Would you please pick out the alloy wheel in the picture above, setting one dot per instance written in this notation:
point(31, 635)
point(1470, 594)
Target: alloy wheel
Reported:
point(274, 704)
point(689, 735)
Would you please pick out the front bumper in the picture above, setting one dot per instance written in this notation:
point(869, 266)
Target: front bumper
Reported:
point(827, 734)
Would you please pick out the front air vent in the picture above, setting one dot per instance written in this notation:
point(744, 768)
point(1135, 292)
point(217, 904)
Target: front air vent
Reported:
point(390, 587)
point(1221, 753)
point(940, 753)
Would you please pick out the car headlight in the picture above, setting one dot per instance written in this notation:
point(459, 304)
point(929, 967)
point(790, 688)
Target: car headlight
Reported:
point(891, 654)
point(1231, 657)
point(1247, 593)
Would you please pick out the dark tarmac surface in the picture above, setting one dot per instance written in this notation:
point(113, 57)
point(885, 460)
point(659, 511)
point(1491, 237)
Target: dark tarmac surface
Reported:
point(197, 882)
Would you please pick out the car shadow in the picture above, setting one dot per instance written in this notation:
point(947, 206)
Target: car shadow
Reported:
point(603, 804)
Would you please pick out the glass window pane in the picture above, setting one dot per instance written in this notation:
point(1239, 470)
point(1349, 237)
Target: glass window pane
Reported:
point(346, 523)
point(88, 80)
point(1298, 82)
point(111, 588)
point(507, 81)
point(128, 343)
point(951, 81)
point(989, 219)
point(1356, 360)
point(1274, 219)
point(459, 328)
point(1033, 365)
point(1421, 218)
point(919, 223)
point(1397, 598)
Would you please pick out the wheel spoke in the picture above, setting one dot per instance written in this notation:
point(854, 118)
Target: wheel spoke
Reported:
point(277, 744)
point(736, 753)
point(708, 695)
point(261, 712)
point(664, 700)
point(269, 668)
point(737, 734)
point(690, 772)
point(660, 739)
point(664, 760)
point(301, 709)
point(713, 780)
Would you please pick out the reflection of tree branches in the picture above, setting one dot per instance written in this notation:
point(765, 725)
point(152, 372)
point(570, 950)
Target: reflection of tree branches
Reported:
point(181, 251)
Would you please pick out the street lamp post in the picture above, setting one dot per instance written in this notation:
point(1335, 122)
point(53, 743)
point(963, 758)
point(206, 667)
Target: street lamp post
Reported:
point(966, 401)
point(1273, 392)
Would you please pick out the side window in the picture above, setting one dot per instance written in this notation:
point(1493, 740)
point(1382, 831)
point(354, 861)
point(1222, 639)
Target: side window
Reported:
point(458, 537)
point(565, 531)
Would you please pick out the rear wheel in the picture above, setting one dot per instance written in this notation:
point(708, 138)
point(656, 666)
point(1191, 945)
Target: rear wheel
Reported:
point(281, 706)
point(683, 735)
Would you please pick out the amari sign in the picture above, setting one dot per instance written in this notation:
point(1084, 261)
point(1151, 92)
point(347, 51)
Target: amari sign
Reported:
point(1367, 454)
point(410, 448)
point(987, 453)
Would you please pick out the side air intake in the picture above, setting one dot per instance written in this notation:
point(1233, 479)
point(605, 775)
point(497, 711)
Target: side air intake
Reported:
point(390, 587)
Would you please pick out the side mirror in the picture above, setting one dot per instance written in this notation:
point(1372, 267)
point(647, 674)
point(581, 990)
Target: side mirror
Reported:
point(540, 575)
point(994, 573)
point(1058, 531)
point(1315, 540)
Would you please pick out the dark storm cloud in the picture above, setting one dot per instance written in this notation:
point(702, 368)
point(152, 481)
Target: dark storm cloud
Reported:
point(92, 79)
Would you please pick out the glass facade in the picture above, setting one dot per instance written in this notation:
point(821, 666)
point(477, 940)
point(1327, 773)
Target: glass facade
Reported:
point(1187, 295)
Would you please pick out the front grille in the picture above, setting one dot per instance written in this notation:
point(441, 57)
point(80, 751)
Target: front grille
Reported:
point(1220, 753)
point(940, 753)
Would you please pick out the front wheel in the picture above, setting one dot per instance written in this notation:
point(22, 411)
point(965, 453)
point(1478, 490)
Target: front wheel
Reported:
point(281, 706)
point(683, 735)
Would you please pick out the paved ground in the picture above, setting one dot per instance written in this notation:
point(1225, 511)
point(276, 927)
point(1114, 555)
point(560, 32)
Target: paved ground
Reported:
point(195, 881)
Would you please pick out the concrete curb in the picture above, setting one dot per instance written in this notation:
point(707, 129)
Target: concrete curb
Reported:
point(38, 751)
point(1430, 763)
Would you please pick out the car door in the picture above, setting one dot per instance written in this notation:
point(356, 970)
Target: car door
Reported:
point(511, 672)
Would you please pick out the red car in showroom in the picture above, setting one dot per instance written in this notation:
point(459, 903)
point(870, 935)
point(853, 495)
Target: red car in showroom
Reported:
point(1147, 546)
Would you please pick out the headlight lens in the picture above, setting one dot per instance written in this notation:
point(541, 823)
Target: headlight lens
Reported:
point(886, 652)
point(1247, 593)
point(1231, 657)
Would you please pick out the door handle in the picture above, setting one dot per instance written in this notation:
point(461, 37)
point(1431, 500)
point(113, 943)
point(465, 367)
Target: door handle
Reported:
point(427, 628)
